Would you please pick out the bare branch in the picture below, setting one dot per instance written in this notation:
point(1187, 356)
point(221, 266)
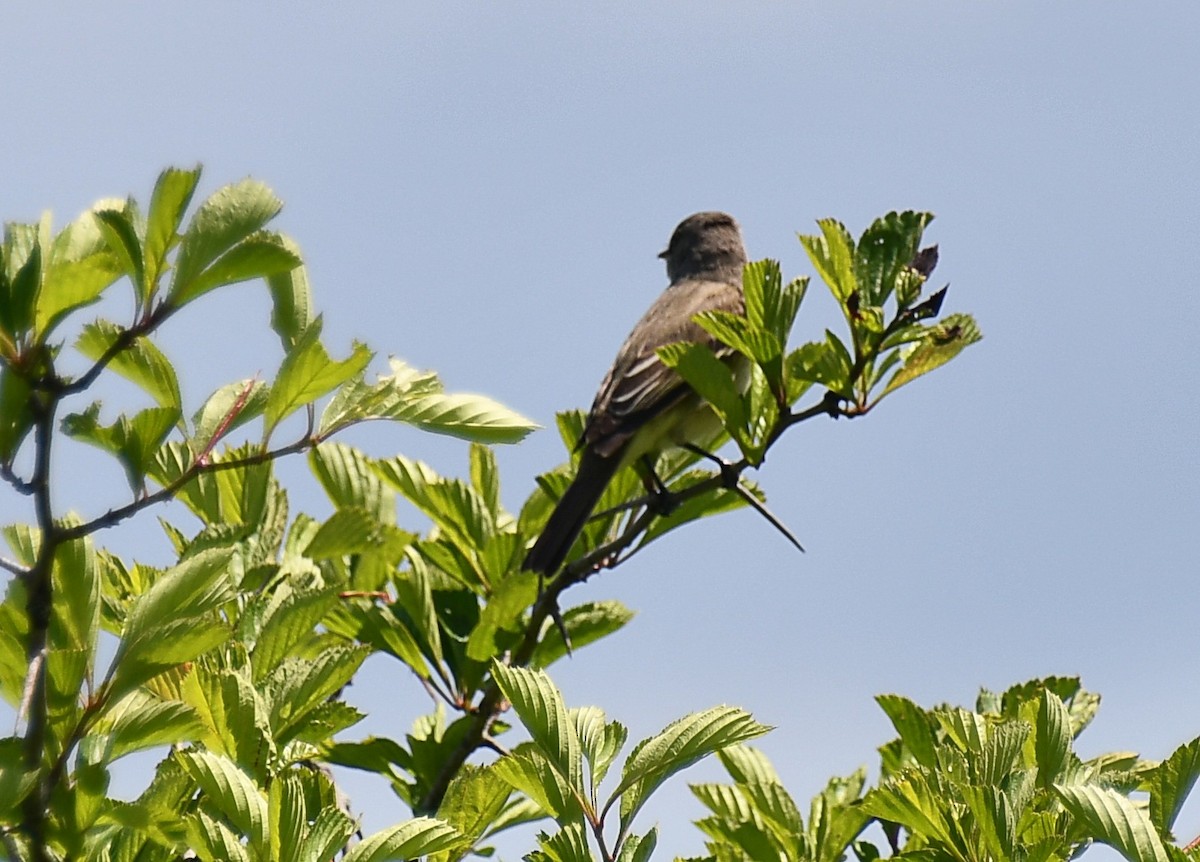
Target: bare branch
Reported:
point(23, 487)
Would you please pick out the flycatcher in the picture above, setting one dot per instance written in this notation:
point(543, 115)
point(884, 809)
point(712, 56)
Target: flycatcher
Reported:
point(643, 407)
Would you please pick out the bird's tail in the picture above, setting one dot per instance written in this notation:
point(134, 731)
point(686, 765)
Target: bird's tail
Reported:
point(571, 513)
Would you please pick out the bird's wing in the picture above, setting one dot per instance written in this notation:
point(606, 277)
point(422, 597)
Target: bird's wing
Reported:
point(639, 386)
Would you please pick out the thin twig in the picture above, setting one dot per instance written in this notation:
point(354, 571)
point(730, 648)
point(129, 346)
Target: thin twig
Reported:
point(14, 568)
point(114, 516)
point(22, 486)
point(577, 571)
point(124, 340)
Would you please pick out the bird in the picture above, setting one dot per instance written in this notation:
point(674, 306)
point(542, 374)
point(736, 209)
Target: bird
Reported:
point(643, 407)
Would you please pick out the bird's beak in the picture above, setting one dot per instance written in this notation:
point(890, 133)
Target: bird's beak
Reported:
point(662, 255)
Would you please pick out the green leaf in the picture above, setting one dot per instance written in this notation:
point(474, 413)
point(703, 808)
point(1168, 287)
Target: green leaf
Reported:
point(287, 817)
point(231, 791)
point(121, 235)
point(942, 343)
point(348, 531)
point(16, 417)
point(568, 844)
point(504, 612)
point(541, 709)
point(600, 740)
point(409, 840)
point(885, 250)
point(172, 193)
point(1170, 784)
point(225, 219)
point(134, 440)
point(908, 800)
point(585, 623)
point(139, 721)
point(308, 373)
point(291, 300)
point(229, 407)
point(298, 686)
point(326, 837)
point(529, 770)
point(22, 278)
point(1112, 819)
point(1052, 742)
point(173, 605)
point(832, 255)
point(638, 849)
point(414, 397)
point(141, 362)
point(709, 376)
point(349, 478)
point(260, 255)
point(913, 724)
point(289, 620)
point(678, 746)
point(215, 840)
point(79, 268)
point(473, 801)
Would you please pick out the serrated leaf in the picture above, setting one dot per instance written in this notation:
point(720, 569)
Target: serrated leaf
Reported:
point(908, 800)
point(912, 724)
point(1112, 819)
point(291, 300)
point(600, 740)
point(172, 193)
point(231, 791)
point(585, 623)
point(568, 844)
point(351, 481)
point(327, 836)
point(229, 407)
point(709, 376)
point(1170, 784)
point(347, 531)
point(531, 772)
point(16, 417)
point(176, 601)
point(679, 745)
point(215, 840)
point(141, 362)
point(409, 840)
point(225, 219)
point(638, 848)
point(289, 620)
point(942, 343)
point(473, 801)
point(260, 255)
point(884, 250)
point(540, 707)
point(79, 268)
point(1052, 745)
point(414, 397)
point(140, 720)
point(832, 255)
point(307, 373)
point(300, 685)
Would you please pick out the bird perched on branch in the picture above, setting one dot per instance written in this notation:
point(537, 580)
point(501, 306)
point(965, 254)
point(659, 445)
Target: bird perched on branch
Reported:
point(643, 407)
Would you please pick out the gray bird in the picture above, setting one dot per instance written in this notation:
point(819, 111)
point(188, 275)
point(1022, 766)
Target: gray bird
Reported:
point(643, 407)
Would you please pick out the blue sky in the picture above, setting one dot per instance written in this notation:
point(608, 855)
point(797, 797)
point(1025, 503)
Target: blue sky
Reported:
point(482, 190)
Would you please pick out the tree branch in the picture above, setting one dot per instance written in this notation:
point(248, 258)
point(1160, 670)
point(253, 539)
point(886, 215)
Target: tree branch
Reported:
point(124, 340)
point(579, 570)
point(14, 568)
point(38, 608)
point(114, 516)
